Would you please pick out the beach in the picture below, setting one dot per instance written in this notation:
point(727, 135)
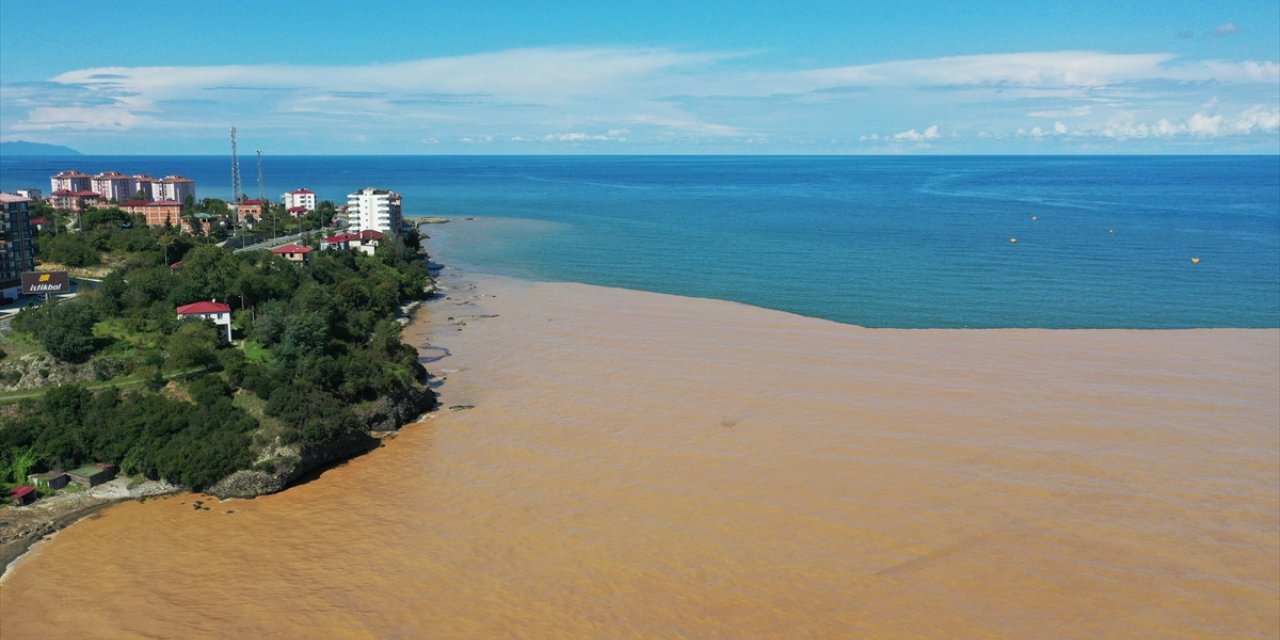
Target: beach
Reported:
point(613, 463)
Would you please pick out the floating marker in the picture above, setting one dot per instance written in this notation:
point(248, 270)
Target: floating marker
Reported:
point(1112, 231)
point(1195, 261)
point(1013, 241)
point(1034, 218)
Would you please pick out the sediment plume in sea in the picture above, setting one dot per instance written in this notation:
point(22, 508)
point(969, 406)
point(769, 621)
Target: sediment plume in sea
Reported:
point(625, 464)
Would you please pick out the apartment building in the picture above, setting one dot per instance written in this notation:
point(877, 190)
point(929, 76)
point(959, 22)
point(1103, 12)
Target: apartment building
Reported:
point(374, 209)
point(17, 249)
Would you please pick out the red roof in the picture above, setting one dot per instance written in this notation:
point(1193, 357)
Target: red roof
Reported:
point(292, 248)
point(169, 202)
point(38, 221)
point(370, 234)
point(87, 194)
point(64, 192)
point(203, 307)
point(296, 209)
point(301, 191)
point(252, 201)
point(176, 265)
point(21, 491)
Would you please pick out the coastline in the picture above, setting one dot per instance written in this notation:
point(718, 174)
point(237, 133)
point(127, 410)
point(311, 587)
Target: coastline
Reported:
point(646, 464)
point(21, 528)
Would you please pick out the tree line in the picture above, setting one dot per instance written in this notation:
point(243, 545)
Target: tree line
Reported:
point(312, 342)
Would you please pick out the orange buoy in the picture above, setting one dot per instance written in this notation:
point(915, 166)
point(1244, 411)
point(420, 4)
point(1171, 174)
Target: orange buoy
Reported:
point(1195, 261)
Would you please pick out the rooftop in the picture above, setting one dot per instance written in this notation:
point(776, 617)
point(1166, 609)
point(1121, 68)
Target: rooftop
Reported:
point(292, 248)
point(204, 307)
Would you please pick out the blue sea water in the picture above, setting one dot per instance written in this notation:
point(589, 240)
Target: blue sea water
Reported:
point(913, 242)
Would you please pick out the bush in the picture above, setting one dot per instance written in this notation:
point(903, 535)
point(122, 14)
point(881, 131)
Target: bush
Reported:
point(68, 331)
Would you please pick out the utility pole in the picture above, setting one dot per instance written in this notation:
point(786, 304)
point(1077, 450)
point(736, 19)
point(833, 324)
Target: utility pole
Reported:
point(235, 181)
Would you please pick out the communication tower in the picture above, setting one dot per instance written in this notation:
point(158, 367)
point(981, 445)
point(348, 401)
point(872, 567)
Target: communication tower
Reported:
point(235, 180)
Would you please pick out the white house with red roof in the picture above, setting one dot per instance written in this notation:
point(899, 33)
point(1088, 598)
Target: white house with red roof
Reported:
point(218, 312)
point(293, 252)
point(300, 198)
point(366, 241)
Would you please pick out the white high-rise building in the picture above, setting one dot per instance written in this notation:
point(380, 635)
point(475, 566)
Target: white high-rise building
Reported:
point(375, 210)
point(174, 188)
point(300, 198)
point(112, 185)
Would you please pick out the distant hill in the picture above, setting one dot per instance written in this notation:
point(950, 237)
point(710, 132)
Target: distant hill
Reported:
point(21, 148)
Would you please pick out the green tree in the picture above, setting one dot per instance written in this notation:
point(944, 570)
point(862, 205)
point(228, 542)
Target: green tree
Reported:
point(194, 344)
point(68, 331)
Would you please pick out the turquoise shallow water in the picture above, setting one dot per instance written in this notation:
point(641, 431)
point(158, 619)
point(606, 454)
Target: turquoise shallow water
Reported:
point(885, 242)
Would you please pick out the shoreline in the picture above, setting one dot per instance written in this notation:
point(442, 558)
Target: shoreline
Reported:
point(659, 464)
point(21, 528)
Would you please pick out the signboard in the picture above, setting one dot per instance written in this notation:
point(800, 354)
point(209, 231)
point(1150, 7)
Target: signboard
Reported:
point(39, 282)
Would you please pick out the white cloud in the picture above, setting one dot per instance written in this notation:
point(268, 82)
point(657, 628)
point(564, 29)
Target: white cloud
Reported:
point(911, 135)
point(1203, 125)
point(611, 95)
point(1224, 30)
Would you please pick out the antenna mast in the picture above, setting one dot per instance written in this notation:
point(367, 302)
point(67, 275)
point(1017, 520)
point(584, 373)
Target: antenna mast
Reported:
point(235, 178)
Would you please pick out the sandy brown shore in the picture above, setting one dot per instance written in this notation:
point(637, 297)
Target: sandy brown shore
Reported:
point(23, 527)
point(621, 464)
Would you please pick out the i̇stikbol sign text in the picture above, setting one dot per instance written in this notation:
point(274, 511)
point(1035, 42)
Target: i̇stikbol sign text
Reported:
point(37, 282)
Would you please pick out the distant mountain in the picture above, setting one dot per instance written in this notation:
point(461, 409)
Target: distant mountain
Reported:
point(21, 148)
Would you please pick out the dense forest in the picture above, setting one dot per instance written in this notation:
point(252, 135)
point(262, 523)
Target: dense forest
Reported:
point(173, 400)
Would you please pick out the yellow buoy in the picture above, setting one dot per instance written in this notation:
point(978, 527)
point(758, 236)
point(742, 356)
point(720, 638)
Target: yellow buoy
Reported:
point(1013, 241)
point(1195, 261)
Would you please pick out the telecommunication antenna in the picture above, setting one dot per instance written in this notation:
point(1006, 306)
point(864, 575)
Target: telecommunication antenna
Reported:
point(260, 192)
point(235, 178)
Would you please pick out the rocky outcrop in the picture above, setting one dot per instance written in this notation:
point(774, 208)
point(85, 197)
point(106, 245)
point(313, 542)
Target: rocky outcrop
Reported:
point(38, 370)
point(397, 408)
point(285, 465)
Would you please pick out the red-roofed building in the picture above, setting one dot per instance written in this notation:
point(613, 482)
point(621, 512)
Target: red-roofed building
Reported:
point(293, 252)
point(366, 241)
point(250, 208)
point(158, 213)
point(71, 180)
point(300, 198)
point(73, 200)
point(218, 312)
point(297, 212)
point(23, 494)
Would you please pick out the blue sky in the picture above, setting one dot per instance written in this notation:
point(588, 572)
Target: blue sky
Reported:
point(684, 76)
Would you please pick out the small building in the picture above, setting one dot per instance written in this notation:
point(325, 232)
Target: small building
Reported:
point(293, 252)
point(300, 198)
point(247, 208)
point(49, 479)
point(218, 312)
point(157, 213)
point(297, 212)
point(23, 494)
point(366, 241)
point(92, 475)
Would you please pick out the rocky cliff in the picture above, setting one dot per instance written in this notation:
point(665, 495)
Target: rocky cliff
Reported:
point(281, 466)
